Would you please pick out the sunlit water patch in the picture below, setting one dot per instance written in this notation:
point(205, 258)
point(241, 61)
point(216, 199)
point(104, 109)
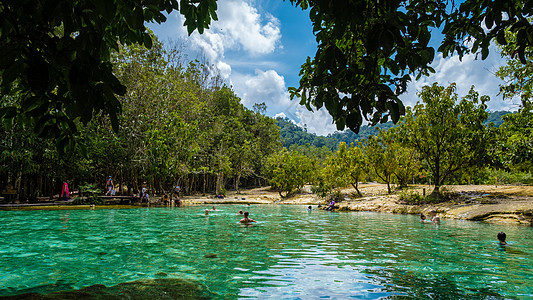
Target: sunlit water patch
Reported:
point(289, 254)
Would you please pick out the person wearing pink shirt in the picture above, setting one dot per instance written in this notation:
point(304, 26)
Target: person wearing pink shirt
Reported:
point(64, 191)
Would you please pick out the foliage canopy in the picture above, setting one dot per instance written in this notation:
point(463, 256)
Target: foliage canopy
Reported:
point(449, 136)
point(369, 50)
point(56, 57)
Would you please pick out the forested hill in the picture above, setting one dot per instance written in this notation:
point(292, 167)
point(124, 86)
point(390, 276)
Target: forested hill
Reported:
point(292, 134)
point(496, 118)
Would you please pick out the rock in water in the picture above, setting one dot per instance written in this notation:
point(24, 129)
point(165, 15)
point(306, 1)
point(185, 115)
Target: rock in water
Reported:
point(139, 289)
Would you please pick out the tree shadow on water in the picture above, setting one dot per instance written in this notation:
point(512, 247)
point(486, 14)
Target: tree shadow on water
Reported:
point(404, 285)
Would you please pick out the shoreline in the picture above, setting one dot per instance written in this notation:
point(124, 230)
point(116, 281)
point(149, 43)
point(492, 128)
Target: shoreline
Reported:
point(488, 203)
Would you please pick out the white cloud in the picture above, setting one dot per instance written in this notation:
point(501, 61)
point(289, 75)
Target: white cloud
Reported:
point(280, 115)
point(265, 86)
point(239, 27)
point(243, 26)
point(212, 45)
point(319, 122)
point(465, 73)
point(269, 87)
point(224, 69)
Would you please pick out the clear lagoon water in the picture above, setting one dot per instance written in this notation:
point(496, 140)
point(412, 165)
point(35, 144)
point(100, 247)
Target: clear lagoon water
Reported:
point(289, 253)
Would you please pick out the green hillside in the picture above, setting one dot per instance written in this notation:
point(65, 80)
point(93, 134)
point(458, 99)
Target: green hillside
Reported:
point(292, 134)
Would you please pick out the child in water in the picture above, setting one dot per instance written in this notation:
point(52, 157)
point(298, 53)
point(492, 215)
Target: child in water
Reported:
point(422, 218)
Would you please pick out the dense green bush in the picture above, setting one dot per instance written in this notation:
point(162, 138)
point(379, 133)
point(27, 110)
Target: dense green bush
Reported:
point(505, 177)
point(411, 197)
point(89, 194)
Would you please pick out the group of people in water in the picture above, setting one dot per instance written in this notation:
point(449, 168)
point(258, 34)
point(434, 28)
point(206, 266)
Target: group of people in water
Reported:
point(246, 215)
point(433, 217)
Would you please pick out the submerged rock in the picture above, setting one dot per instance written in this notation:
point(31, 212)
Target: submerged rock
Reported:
point(139, 289)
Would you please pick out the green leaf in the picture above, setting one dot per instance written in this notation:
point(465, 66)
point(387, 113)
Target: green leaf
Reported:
point(138, 18)
point(354, 121)
point(500, 38)
point(31, 103)
point(106, 9)
point(394, 111)
point(521, 54)
point(387, 41)
point(340, 122)
point(147, 41)
point(8, 123)
point(7, 57)
point(372, 40)
point(8, 112)
point(61, 145)
point(484, 53)
point(83, 149)
point(114, 121)
point(424, 36)
point(489, 20)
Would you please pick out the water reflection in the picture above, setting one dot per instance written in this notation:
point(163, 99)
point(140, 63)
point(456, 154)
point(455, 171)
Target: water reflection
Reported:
point(64, 218)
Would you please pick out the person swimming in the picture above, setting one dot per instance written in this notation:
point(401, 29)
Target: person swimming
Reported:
point(501, 238)
point(331, 205)
point(207, 211)
point(434, 217)
point(240, 212)
point(423, 218)
point(246, 220)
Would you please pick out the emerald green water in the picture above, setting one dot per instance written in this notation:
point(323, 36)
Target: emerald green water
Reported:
point(289, 254)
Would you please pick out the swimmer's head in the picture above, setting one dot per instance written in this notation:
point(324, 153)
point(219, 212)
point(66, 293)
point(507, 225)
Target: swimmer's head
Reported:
point(240, 212)
point(501, 236)
point(422, 216)
point(246, 214)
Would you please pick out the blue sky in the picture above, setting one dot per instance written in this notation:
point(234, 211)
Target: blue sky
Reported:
point(259, 46)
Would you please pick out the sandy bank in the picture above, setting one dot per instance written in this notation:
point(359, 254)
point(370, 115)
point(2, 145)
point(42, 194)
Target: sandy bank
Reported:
point(500, 204)
point(489, 203)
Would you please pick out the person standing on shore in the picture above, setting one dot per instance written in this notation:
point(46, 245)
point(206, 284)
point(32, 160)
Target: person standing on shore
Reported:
point(109, 185)
point(65, 193)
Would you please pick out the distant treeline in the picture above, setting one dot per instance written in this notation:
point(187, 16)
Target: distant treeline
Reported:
point(292, 134)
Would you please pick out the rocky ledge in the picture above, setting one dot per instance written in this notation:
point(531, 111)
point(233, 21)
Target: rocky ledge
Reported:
point(504, 204)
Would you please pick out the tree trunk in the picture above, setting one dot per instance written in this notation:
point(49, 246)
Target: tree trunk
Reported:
point(356, 187)
point(237, 179)
point(436, 190)
point(220, 180)
point(436, 176)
